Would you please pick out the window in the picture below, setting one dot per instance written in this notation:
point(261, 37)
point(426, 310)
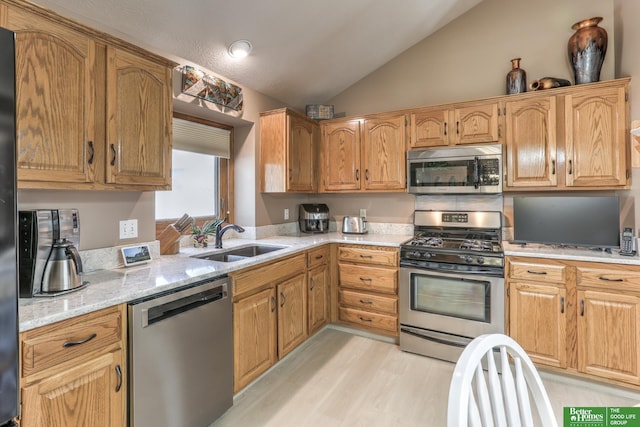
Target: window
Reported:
point(199, 172)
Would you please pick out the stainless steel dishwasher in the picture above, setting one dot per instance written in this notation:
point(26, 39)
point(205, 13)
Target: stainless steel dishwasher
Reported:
point(181, 356)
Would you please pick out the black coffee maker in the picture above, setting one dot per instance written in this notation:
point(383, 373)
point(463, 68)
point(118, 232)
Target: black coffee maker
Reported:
point(313, 218)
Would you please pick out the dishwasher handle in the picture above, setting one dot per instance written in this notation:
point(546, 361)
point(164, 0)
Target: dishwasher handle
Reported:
point(174, 307)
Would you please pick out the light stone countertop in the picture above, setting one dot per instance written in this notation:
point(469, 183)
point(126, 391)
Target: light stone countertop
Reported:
point(568, 253)
point(110, 287)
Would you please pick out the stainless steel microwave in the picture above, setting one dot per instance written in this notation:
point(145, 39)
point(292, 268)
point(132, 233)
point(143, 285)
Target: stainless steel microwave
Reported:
point(458, 169)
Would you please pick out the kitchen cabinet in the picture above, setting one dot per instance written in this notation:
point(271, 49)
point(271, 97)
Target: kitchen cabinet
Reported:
point(289, 146)
point(471, 123)
point(581, 317)
point(571, 138)
point(368, 288)
point(364, 154)
point(269, 315)
point(82, 97)
point(538, 309)
point(319, 281)
point(74, 372)
point(609, 322)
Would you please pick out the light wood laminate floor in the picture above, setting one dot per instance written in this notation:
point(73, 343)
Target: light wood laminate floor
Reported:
point(337, 378)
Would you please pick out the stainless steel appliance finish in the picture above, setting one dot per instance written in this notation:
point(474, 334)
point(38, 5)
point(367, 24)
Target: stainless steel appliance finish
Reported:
point(8, 215)
point(313, 218)
point(42, 233)
point(462, 170)
point(181, 356)
point(354, 225)
point(451, 282)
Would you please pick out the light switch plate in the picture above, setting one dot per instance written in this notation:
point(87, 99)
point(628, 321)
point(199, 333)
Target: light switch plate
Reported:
point(363, 213)
point(286, 214)
point(129, 229)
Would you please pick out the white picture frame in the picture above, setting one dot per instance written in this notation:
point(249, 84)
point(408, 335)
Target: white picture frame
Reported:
point(135, 255)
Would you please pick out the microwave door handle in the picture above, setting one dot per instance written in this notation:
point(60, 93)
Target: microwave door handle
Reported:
point(476, 174)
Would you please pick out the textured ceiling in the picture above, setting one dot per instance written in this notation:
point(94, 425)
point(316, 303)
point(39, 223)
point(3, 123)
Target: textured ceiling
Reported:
point(304, 52)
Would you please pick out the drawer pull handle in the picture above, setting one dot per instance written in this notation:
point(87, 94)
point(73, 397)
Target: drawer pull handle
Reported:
point(365, 319)
point(357, 174)
point(273, 304)
point(366, 256)
point(313, 285)
point(536, 272)
point(75, 343)
point(445, 128)
point(366, 279)
point(119, 374)
point(364, 301)
point(113, 155)
point(562, 305)
point(581, 307)
point(92, 152)
point(319, 256)
point(283, 299)
point(606, 279)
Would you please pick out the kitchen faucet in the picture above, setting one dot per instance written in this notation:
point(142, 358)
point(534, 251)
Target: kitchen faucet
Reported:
point(220, 230)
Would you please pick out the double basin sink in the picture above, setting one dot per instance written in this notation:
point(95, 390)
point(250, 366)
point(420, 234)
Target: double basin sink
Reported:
point(238, 254)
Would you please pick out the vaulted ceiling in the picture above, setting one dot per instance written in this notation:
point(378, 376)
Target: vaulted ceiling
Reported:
point(304, 52)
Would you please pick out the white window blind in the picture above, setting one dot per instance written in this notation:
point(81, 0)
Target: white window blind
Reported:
point(199, 138)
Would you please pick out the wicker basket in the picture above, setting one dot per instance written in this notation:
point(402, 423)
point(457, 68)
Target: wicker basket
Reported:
point(319, 112)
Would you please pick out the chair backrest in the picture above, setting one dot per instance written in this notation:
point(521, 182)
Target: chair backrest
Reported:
point(495, 397)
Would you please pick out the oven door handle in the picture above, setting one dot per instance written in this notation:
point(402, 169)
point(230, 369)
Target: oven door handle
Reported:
point(431, 336)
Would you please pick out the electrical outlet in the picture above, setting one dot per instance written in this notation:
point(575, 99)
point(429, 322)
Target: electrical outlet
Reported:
point(286, 214)
point(129, 229)
point(363, 213)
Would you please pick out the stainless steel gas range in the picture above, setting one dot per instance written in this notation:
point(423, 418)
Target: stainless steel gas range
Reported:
point(451, 282)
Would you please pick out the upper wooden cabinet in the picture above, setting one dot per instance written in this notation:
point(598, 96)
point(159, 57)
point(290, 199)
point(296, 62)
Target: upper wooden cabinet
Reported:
point(364, 154)
point(288, 152)
point(139, 112)
point(80, 96)
point(471, 123)
point(574, 138)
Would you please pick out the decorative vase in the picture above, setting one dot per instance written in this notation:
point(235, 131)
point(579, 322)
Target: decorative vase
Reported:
point(200, 241)
point(587, 48)
point(548, 83)
point(516, 78)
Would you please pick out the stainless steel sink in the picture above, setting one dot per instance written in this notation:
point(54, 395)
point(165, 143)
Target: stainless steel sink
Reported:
point(238, 254)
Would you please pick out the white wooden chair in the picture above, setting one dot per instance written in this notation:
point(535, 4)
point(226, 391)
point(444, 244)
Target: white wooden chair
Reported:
point(491, 398)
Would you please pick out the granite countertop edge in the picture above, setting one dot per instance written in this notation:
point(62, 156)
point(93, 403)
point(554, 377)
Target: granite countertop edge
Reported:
point(111, 287)
point(568, 253)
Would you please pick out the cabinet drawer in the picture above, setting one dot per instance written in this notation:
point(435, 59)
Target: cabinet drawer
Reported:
point(367, 319)
point(368, 255)
point(60, 342)
point(253, 279)
point(367, 278)
point(538, 272)
point(317, 256)
point(371, 302)
point(609, 278)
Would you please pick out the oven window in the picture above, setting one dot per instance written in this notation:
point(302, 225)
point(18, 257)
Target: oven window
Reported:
point(454, 297)
point(450, 173)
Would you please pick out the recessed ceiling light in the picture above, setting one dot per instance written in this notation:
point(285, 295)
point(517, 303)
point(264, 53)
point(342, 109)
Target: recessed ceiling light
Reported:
point(240, 48)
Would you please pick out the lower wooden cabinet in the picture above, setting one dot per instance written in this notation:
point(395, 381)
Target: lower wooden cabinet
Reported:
point(292, 314)
point(581, 317)
point(319, 284)
point(368, 288)
point(73, 372)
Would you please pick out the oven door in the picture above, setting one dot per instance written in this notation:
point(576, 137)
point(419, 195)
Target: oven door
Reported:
point(448, 308)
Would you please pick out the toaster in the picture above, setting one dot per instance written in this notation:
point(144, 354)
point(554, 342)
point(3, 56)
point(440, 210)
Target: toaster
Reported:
point(354, 225)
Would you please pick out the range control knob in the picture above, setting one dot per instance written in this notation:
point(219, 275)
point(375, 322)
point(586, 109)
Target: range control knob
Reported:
point(480, 260)
point(426, 255)
point(466, 258)
point(414, 254)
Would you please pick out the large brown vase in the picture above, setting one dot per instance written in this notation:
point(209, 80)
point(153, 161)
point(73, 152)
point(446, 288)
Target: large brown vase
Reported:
point(587, 48)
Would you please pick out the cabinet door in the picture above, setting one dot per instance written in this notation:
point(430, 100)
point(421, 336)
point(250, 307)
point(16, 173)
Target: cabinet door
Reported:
point(384, 153)
point(318, 298)
point(139, 110)
point(341, 155)
point(301, 167)
point(538, 321)
point(478, 123)
point(88, 394)
point(608, 327)
point(55, 100)
point(254, 336)
point(292, 314)
point(596, 138)
point(429, 128)
point(531, 142)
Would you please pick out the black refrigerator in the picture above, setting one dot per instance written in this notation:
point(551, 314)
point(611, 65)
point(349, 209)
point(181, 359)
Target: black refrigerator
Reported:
point(8, 214)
